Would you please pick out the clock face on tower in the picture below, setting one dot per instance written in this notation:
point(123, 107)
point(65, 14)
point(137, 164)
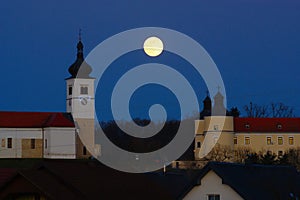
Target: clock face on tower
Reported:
point(84, 101)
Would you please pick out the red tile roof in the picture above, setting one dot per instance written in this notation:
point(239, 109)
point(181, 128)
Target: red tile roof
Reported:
point(35, 119)
point(267, 124)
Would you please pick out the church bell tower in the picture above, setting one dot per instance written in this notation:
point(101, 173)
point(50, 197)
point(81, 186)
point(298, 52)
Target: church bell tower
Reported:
point(80, 101)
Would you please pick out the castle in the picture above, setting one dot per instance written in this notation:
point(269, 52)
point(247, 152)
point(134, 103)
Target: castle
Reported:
point(273, 135)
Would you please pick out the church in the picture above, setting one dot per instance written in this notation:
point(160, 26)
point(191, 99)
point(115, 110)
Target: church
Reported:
point(59, 135)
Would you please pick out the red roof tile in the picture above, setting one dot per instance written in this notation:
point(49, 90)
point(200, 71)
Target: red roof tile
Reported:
point(267, 124)
point(35, 119)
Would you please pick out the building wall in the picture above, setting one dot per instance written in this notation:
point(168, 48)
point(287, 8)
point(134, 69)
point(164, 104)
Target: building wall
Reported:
point(60, 143)
point(17, 135)
point(212, 130)
point(76, 107)
point(83, 114)
point(258, 141)
point(211, 183)
point(206, 135)
point(29, 152)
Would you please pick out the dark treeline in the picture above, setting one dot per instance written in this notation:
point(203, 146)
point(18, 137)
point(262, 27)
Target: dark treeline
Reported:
point(140, 145)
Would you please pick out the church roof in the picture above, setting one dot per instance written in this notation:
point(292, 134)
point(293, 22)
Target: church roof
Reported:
point(266, 124)
point(35, 119)
point(80, 69)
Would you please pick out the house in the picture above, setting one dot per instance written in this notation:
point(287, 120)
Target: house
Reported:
point(239, 181)
point(90, 179)
point(86, 179)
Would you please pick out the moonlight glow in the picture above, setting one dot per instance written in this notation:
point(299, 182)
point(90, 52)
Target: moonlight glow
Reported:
point(153, 46)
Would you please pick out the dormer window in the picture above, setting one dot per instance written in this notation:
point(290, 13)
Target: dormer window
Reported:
point(279, 126)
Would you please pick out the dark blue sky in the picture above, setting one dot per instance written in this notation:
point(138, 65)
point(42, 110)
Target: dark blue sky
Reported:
point(255, 44)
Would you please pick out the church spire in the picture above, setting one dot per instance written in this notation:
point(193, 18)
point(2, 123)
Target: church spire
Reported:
point(80, 65)
point(206, 111)
point(219, 108)
point(79, 46)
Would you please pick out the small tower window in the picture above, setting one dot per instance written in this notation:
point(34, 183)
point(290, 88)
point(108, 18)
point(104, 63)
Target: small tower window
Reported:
point(70, 90)
point(198, 144)
point(235, 140)
point(83, 90)
point(216, 127)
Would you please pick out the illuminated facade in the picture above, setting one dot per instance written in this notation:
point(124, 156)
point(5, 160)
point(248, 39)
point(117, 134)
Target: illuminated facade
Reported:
point(275, 135)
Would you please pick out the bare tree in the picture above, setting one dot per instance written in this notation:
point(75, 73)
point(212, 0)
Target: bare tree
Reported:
point(220, 153)
point(241, 153)
point(272, 110)
point(281, 110)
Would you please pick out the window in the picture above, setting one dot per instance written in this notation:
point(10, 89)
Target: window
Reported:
point(70, 102)
point(9, 143)
point(32, 144)
point(84, 151)
point(235, 140)
point(213, 197)
point(84, 90)
point(280, 140)
point(269, 141)
point(198, 144)
point(46, 143)
point(247, 126)
point(280, 153)
point(247, 140)
point(3, 143)
point(216, 127)
point(291, 140)
point(70, 90)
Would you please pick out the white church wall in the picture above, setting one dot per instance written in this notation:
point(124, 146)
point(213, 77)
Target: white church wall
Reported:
point(60, 143)
point(17, 134)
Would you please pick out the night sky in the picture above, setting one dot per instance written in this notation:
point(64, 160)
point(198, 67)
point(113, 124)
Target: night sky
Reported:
point(255, 44)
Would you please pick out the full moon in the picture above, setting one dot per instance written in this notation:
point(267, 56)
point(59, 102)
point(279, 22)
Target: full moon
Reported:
point(153, 46)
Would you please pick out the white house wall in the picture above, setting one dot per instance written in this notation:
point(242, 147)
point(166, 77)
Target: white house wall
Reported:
point(211, 183)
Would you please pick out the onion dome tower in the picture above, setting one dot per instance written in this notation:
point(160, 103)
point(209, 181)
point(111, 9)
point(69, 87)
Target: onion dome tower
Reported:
point(206, 111)
point(80, 68)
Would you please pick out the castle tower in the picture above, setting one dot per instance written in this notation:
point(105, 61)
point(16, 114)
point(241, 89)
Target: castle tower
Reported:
point(80, 101)
point(214, 127)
